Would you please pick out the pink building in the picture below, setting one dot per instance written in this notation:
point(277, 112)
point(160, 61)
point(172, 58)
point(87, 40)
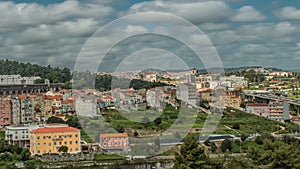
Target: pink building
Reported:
point(114, 141)
point(5, 112)
point(260, 109)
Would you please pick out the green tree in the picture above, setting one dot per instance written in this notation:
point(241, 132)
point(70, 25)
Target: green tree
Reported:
point(157, 121)
point(236, 126)
point(120, 129)
point(29, 165)
point(10, 166)
point(63, 149)
point(213, 147)
point(25, 154)
point(54, 119)
point(73, 121)
point(226, 145)
point(191, 155)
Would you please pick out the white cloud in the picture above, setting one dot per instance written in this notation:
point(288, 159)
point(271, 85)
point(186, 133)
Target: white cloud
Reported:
point(248, 14)
point(288, 12)
point(30, 14)
point(135, 29)
point(196, 12)
point(285, 28)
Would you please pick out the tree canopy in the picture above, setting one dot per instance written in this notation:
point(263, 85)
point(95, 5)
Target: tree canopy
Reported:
point(54, 74)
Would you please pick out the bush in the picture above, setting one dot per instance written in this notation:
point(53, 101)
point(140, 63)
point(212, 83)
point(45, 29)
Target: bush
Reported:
point(226, 145)
point(236, 126)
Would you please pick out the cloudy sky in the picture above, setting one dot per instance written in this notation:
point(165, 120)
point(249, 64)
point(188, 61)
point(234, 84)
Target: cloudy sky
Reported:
point(243, 32)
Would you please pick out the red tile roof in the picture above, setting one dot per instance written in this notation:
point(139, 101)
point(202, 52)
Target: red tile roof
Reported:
point(275, 114)
point(54, 129)
point(114, 135)
point(256, 104)
point(21, 96)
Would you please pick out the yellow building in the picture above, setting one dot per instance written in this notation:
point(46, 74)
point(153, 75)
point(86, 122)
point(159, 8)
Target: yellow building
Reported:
point(233, 101)
point(50, 139)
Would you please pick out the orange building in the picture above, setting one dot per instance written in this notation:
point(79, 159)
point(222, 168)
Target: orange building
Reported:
point(50, 139)
point(116, 141)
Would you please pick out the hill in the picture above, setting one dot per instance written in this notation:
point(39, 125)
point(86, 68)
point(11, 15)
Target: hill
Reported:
point(54, 74)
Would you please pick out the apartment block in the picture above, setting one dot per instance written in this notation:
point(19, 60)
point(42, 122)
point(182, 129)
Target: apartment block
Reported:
point(20, 135)
point(5, 112)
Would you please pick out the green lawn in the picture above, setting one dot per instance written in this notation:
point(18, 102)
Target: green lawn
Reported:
point(249, 123)
point(107, 157)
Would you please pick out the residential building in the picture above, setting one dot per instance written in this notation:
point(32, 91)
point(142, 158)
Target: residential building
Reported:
point(233, 101)
point(50, 139)
point(154, 98)
point(15, 111)
point(260, 109)
point(86, 106)
point(19, 135)
point(187, 93)
point(114, 141)
point(5, 112)
point(151, 77)
point(190, 78)
point(16, 79)
point(205, 94)
point(26, 109)
point(276, 111)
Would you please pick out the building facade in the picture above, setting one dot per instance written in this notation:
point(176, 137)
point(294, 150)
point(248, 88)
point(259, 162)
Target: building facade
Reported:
point(15, 111)
point(19, 135)
point(260, 109)
point(114, 141)
point(50, 139)
point(16, 79)
point(5, 112)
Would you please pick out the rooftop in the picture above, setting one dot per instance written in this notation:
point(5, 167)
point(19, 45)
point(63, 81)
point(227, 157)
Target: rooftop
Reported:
point(114, 135)
point(54, 129)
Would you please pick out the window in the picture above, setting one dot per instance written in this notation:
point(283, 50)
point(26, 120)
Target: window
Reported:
point(49, 144)
point(71, 150)
point(59, 143)
point(39, 151)
point(44, 137)
point(44, 151)
point(55, 143)
point(38, 144)
point(76, 142)
point(76, 135)
point(38, 137)
point(65, 143)
point(44, 144)
point(70, 142)
point(76, 149)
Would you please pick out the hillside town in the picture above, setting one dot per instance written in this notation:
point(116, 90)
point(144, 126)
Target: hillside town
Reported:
point(25, 117)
